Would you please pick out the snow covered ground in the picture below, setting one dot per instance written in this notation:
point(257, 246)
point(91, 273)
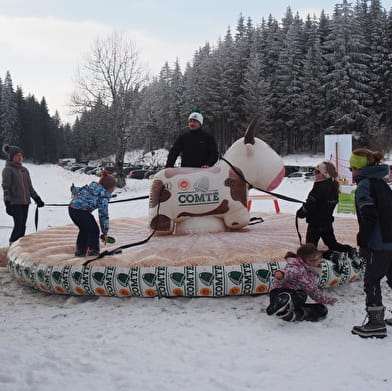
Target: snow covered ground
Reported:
point(52, 342)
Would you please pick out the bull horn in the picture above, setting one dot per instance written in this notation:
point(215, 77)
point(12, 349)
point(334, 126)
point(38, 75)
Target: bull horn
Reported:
point(250, 133)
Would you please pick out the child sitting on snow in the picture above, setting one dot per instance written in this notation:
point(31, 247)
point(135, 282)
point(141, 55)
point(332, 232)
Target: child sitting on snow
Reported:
point(295, 283)
point(85, 200)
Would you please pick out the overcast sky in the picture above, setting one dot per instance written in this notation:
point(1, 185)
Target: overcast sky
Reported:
point(43, 41)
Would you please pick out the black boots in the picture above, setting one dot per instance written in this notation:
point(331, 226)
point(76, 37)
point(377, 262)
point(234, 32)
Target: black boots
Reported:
point(281, 305)
point(375, 327)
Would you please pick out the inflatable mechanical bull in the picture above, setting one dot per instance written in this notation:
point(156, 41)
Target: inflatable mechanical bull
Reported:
point(221, 191)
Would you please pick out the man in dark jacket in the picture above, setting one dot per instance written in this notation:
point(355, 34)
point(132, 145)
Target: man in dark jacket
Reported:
point(196, 147)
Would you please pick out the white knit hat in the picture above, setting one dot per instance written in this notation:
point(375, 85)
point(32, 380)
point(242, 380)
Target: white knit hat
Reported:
point(322, 167)
point(197, 117)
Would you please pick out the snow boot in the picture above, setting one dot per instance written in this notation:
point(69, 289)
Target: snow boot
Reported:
point(314, 312)
point(280, 305)
point(388, 321)
point(375, 327)
point(358, 261)
point(338, 259)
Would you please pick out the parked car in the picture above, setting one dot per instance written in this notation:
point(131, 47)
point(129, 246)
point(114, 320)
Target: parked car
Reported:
point(137, 174)
point(87, 169)
point(77, 166)
point(290, 169)
point(150, 173)
point(301, 175)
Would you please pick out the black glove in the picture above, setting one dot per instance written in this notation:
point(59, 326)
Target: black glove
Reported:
point(39, 202)
point(8, 208)
point(301, 213)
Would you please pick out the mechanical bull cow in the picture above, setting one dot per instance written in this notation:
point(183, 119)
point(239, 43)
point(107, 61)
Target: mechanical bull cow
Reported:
point(221, 191)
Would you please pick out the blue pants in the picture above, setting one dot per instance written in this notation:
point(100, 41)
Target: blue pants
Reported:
point(88, 237)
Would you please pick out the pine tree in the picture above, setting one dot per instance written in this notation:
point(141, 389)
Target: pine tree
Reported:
point(8, 112)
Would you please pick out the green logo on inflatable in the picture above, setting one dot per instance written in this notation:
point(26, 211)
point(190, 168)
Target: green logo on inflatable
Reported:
point(236, 277)
point(149, 279)
point(177, 278)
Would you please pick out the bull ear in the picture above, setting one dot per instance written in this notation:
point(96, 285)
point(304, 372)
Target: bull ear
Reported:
point(249, 137)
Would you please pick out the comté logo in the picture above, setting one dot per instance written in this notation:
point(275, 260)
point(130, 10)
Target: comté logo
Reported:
point(177, 278)
point(99, 277)
point(123, 279)
point(149, 279)
point(236, 277)
point(206, 278)
point(263, 275)
point(77, 277)
point(56, 275)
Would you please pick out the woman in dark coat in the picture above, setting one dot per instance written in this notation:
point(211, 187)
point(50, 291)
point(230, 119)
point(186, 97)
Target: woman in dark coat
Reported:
point(373, 202)
point(319, 206)
point(18, 190)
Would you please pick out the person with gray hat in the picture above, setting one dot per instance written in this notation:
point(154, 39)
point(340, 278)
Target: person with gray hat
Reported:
point(18, 189)
point(197, 148)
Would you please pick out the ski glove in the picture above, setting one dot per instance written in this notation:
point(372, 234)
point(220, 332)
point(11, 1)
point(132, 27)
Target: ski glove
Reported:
point(39, 202)
point(8, 208)
point(301, 213)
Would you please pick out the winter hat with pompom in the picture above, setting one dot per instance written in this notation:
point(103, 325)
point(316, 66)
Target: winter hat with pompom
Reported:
point(196, 115)
point(107, 181)
point(11, 150)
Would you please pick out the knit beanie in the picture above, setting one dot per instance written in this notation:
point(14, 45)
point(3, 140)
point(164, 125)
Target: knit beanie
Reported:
point(357, 161)
point(322, 167)
point(11, 150)
point(195, 115)
point(107, 181)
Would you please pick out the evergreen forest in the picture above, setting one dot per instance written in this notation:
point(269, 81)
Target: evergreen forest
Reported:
point(302, 79)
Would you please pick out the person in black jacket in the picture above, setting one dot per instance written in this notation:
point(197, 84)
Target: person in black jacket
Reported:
point(373, 202)
point(318, 209)
point(18, 190)
point(197, 148)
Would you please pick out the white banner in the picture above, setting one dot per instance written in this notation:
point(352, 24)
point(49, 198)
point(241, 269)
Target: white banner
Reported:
point(338, 148)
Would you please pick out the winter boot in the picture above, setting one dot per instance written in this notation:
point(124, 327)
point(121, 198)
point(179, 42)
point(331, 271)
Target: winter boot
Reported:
point(388, 321)
point(280, 305)
point(313, 312)
point(358, 261)
point(338, 259)
point(375, 327)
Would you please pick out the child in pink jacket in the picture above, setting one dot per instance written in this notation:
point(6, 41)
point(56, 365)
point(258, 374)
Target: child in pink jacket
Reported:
point(295, 283)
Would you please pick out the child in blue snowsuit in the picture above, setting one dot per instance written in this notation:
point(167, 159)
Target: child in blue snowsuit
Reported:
point(85, 200)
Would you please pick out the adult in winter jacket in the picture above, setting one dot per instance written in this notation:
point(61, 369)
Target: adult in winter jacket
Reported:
point(318, 209)
point(197, 148)
point(373, 202)
point(293, 284)
point(85, 200)
point(18, 189)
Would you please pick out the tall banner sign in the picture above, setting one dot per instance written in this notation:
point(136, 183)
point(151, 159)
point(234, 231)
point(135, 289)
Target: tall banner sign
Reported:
point(338, 148)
